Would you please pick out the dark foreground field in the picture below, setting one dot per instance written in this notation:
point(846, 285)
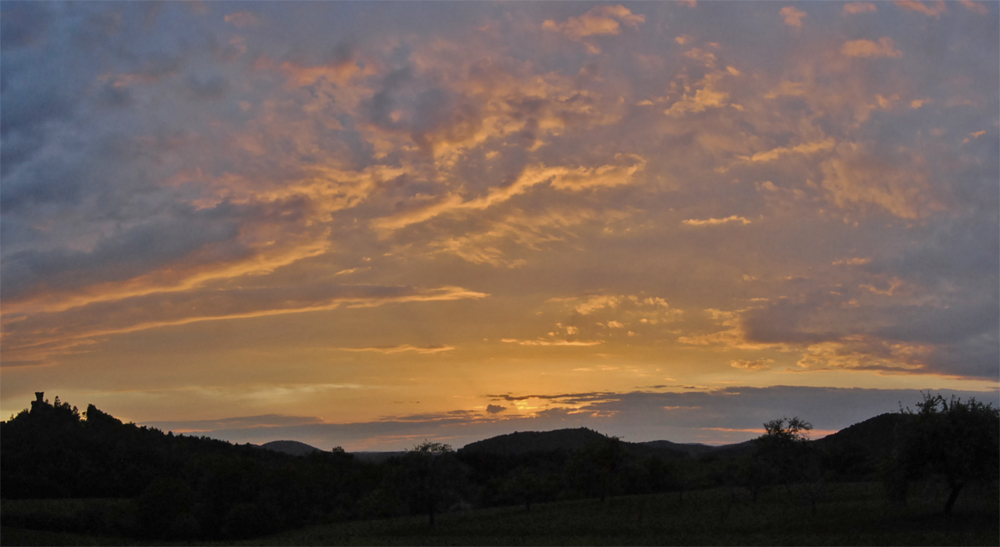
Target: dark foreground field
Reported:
point(846, 514)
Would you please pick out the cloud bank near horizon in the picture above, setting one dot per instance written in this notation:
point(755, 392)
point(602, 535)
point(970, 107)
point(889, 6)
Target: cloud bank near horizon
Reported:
point(717, 416)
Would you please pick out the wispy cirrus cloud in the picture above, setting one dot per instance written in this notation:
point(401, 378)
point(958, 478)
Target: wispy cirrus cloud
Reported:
point(544, 342)
point(884, 47)
point(40, 332)
point(402, 348)
point(935, 9)
point(716, 221)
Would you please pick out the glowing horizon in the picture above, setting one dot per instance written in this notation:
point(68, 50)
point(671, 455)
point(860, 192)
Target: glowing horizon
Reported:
point(361, 224)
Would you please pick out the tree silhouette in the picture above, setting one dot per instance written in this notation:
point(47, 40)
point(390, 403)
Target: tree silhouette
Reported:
point(783, 456)
point(779, 450)
point(595, 470)
point(955, 440)
point(431, 476)
point(525, 485)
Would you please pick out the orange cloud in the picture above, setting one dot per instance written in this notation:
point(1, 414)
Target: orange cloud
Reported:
point(806, 148)
point(560, 178)
point(971, 136)
point(42, 333)
point(600, 21)
point(423, 350)
point(339, 72)
point(699, 54)
point(706, 97)
point(856, 177)
point(757, 364)
point(885, 47)
point(493, 241)
point(595, 303)
point(860, 352)
point(793, 17)
point(855, 261)
point(552, 342)
point(859, 7)
point(912, 5)
point(716, 221)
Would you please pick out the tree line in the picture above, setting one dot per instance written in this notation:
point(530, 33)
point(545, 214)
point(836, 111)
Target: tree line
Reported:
point(188, 487)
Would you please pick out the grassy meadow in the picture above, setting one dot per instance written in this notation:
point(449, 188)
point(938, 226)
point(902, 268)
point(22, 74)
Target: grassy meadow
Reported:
point(845, 514)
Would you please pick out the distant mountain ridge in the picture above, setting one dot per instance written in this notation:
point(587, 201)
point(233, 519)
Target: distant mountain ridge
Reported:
point(294, 448)
point(523, 442)
point(865, 439)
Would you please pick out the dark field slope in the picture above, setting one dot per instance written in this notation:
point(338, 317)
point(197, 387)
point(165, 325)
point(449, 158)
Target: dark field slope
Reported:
point(850, 514)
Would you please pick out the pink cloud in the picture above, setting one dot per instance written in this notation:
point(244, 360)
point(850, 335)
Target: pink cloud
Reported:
point(977, 7)
point(855, 8)
point(913, 5)
point(885, 47)
point(793, 17)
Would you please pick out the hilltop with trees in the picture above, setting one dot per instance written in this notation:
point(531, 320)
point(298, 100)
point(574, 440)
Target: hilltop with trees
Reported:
point(145, 483)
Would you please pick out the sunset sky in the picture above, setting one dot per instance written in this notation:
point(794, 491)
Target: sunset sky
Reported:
point(368, 224)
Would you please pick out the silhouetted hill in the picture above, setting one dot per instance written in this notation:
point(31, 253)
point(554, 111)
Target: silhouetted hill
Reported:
point(874, 435)
point(294, 448)
point(524, 442)
point(856, 452)
point(568, 440)
point(183, 487)
point(735, 450)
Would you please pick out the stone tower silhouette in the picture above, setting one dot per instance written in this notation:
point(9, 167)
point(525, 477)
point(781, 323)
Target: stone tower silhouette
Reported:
point(39, 401)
